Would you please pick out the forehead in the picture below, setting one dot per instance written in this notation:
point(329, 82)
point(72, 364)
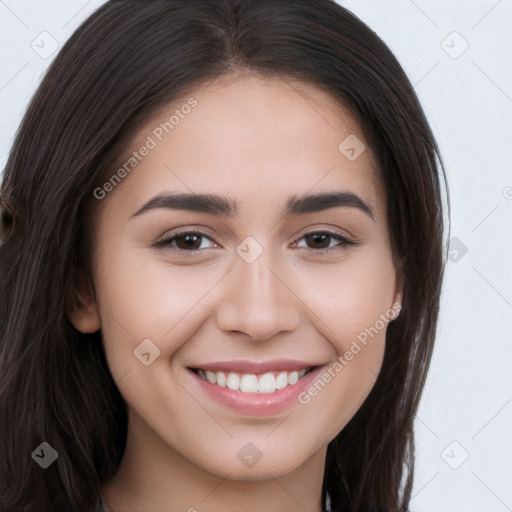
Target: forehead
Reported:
point(254, 136)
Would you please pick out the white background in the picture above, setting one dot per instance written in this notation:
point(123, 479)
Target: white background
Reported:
point(467, 406)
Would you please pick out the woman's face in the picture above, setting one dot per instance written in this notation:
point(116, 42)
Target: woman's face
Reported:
point(248, 287)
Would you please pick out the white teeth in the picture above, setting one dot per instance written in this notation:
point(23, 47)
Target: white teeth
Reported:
point(267, 383)
point(221, 379)
point(282, 380)
point(293, 377)
point(233, 382)
point(251, 383)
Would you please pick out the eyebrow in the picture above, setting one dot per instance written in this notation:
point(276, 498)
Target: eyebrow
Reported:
point(223, 206)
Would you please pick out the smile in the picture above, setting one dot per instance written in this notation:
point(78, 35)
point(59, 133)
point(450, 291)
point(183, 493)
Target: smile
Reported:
point(268, 382)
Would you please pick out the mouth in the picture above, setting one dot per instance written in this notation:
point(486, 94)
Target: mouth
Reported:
point(255, 388)
point(260, 383)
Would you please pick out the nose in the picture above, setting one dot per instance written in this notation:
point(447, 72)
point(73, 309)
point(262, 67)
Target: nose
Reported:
point(258, 301)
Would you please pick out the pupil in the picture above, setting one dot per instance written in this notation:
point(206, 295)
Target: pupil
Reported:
point(323, 236)
point(188, 239)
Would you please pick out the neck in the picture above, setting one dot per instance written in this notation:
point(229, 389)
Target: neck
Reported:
point(155, 478)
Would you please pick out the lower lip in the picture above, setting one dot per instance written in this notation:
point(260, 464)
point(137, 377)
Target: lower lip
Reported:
point(258, 404)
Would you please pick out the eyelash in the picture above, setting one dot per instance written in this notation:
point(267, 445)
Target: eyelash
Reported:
point(165, 242)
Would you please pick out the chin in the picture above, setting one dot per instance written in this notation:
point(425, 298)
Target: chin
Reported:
point(276, 465)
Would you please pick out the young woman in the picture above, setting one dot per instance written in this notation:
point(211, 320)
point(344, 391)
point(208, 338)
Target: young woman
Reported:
point(221, 266)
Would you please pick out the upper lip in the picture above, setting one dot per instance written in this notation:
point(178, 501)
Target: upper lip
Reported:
point(247, 366)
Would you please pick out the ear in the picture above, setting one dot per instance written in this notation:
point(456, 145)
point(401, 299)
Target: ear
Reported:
point(82, 309)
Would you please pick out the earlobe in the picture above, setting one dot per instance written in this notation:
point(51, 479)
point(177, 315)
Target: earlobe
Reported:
point(397, 300)
point(82, 308)
point(85, 320)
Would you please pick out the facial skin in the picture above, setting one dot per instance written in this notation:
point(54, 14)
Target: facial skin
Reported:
point(257, 141)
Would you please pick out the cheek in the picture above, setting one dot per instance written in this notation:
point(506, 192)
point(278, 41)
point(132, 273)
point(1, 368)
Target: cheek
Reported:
point(349, 297)
point(142, 297)
point(352, 311)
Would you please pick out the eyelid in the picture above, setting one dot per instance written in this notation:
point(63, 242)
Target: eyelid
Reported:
point(345, 240)
point(169, 236)
point(331, 230)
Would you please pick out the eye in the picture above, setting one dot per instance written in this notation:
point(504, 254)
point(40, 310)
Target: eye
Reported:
point(189, 241)
point(324, 239)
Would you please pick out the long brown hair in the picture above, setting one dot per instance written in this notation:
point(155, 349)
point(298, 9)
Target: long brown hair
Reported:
point(129, 59)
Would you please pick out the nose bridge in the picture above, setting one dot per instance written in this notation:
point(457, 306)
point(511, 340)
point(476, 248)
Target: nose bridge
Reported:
point(257, 300)
point(259, 282)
